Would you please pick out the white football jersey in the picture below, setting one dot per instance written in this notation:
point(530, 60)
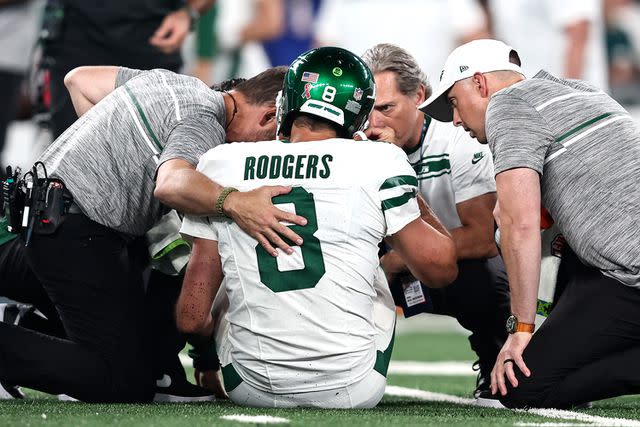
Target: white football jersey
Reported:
point(451, 168)
point(304, 322)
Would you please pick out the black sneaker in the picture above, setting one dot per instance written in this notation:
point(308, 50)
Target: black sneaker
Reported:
point(482, 393)
point(180, 391)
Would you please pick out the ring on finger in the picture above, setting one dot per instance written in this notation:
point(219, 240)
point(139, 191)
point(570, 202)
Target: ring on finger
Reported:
point(507, 361)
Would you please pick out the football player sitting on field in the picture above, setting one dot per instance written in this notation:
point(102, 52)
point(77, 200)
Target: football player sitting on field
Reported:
point(310, 329)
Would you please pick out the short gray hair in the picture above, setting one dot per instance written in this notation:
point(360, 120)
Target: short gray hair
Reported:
point(389, 57)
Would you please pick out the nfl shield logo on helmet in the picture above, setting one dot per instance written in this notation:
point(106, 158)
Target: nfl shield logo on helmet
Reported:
point(357, 94)
point(310, 77)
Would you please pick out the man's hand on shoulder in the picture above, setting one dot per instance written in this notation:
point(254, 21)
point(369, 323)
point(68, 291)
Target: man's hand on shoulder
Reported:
point(255, 213)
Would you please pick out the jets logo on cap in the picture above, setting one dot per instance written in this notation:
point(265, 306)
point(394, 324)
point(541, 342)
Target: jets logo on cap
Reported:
point(463, 68)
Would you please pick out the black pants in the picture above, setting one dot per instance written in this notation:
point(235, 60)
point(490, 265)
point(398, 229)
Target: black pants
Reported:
point(18, 283)
point(588, 348)
point(87, 273)
point(479, 300)
point(161, 297)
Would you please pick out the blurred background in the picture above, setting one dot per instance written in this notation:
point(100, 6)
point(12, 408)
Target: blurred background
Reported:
point(594, 40)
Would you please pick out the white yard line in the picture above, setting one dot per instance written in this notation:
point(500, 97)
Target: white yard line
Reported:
point(578, 416)
point(255, 419)
point(548, 413)
point(453, 368)
point(551, 425)
point(429, 396)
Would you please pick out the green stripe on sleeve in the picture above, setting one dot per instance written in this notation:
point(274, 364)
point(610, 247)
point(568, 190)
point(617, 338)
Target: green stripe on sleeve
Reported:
point(399, 180)
point(144, 117)
point(398, 201)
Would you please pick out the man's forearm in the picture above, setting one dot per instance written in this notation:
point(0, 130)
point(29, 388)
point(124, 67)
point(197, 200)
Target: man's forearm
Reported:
point(189, 191)
point(88, 85)
point(470, 244)
point(521, 254)
point(430, 217)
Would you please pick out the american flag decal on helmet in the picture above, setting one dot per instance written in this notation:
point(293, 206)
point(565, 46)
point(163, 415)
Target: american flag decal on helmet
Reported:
point(310, 77)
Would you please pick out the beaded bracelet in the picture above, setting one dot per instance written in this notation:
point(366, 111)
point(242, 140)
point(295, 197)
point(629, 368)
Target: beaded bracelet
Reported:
point(221, 198)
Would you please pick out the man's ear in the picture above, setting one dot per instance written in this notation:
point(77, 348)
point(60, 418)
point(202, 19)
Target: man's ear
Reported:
point(268, 115)
point(421, 94)
point(480, 82)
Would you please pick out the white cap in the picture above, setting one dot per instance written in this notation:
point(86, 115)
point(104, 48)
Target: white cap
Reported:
point(481, 56)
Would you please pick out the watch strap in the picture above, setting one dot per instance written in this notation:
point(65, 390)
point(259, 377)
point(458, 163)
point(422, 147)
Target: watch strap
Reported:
point(525, 327)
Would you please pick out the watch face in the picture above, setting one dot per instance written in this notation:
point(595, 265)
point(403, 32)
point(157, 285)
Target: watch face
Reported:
point(512, 323)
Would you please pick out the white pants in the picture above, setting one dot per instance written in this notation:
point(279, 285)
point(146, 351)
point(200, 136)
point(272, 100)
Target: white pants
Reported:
point(365, 393)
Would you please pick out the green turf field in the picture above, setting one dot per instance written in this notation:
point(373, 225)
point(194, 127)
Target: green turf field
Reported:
point(412, 345)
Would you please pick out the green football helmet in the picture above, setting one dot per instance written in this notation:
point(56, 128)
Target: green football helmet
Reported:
point(331, 83)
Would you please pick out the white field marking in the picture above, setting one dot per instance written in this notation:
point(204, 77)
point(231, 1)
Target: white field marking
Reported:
point(255, 419)
point(452, 368)
point(547, 413)
point(426, 323)
point(430, 396)
point(578, 416)
point(551, 425)
point(431, 368)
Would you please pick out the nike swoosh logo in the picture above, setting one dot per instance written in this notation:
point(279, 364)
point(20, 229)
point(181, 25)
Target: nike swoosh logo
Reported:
point(477, 159)
point(164, 382)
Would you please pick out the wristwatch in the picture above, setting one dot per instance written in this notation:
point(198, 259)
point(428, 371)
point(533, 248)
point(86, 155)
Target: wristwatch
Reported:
point(514, 326)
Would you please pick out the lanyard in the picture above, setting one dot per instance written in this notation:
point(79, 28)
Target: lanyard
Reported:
point(422, 144)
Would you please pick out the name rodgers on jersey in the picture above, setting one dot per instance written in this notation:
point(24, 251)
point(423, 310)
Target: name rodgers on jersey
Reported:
point(300, 166)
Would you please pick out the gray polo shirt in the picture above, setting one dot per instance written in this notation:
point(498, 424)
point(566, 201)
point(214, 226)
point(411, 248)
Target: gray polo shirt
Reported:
point(586, 148)
point(109, 157)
